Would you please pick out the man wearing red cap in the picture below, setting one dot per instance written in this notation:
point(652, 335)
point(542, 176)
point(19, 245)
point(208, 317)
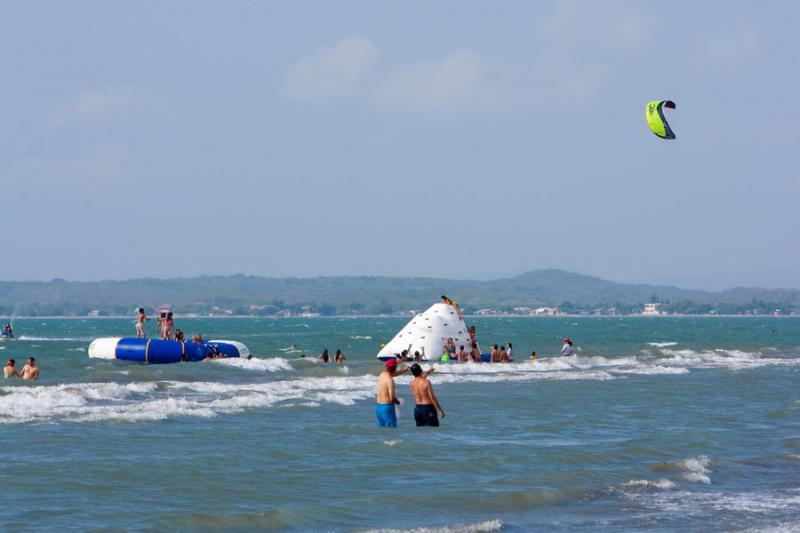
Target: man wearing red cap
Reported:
point(385, 395)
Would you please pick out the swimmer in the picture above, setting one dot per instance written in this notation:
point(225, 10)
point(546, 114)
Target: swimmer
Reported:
point(461, 355)
point(141, 318)
point(533, 356)
point(197, 338)
point(495, 357)
point(566, 350)
point(10, 370)
point(339, 357)
point(510, 353)
point(30, 371)
point(426, 400)
point(324, 357)
point(385, 397)
point(475, 353)
point(179, 335)
point(503, 357)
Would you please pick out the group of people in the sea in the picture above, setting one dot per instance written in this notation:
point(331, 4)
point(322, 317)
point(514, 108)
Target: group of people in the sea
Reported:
point(338, 358)
point(427, 409)
point(29, 372)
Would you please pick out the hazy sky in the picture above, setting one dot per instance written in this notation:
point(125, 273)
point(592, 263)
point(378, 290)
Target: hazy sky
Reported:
point(455, 139)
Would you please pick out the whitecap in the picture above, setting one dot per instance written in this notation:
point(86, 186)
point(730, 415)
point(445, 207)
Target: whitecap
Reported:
point(661, 484)
point(267, 364)
point(478, 527)
point(662, 344)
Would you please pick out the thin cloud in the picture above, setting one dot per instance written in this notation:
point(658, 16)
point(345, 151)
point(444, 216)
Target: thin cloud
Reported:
point(573, 50)
point(100, 105)
point(331, 72)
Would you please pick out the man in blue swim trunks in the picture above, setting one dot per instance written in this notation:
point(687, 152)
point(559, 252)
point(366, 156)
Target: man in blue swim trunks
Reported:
point(385, 395)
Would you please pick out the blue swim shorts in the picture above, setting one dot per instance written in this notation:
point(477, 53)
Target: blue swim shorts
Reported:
point(387, 416)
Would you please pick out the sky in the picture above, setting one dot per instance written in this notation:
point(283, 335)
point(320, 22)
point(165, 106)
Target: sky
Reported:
point(451, 139)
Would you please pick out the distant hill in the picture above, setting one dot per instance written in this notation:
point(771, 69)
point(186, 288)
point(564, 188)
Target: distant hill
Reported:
point(242, 294)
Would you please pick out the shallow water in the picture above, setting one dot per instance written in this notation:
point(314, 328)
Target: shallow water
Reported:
point(657, 423)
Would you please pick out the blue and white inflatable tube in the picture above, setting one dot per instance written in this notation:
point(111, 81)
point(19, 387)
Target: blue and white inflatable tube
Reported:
point(156, 351)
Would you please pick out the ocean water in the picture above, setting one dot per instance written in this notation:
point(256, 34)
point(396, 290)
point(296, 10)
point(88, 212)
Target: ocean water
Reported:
point(656, 424)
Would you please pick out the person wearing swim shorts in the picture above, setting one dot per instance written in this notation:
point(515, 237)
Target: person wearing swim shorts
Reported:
point(427, 402)
point(140, 320)
point(385, 395)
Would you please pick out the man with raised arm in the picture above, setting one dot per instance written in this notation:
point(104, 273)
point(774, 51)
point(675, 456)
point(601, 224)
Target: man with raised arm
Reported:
point(427, 402)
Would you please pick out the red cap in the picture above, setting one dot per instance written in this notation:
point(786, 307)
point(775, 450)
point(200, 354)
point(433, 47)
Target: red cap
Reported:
point(566, 339)
point(391, 363)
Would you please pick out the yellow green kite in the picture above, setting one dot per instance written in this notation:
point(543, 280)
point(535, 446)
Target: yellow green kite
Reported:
point(655, 118)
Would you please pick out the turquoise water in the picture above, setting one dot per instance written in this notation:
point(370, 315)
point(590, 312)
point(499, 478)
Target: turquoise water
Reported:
point(656, 424)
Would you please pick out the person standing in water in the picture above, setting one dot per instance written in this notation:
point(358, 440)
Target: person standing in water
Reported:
point(30, 371)
point(339, 357)
point(324, 357)
point(385, 397)
point(10, 370)
point(510, 353)
point(566, 350)
point(141, 318)
point(426, 400)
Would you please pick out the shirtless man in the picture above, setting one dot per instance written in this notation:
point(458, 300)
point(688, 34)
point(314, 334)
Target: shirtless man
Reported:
point(141, 318)
point(10, 370)
point(427, 402)
point(385, 395)
point(30, 371)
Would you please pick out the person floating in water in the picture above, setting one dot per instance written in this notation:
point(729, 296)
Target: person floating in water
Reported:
point(426, 400)
point(141, 318)
point(30, 371)
point(566, 350)
point(10, 370)
point(385, 396)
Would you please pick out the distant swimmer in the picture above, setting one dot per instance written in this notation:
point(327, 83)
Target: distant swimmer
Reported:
point(567, 348)
point(141, 318)
point(503, 355)
point(324, 357)
point(10, 370)
point(339, 357)
point(495, 356)
point(510, 353)
point(426, 400)
point(385, 396)
point(8, 331)
point(30, 371)
point(475, 353)
point(533, 356)
point(461, 355)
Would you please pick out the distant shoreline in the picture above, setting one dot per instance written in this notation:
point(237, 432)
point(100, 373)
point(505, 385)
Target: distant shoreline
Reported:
point(182, 317)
